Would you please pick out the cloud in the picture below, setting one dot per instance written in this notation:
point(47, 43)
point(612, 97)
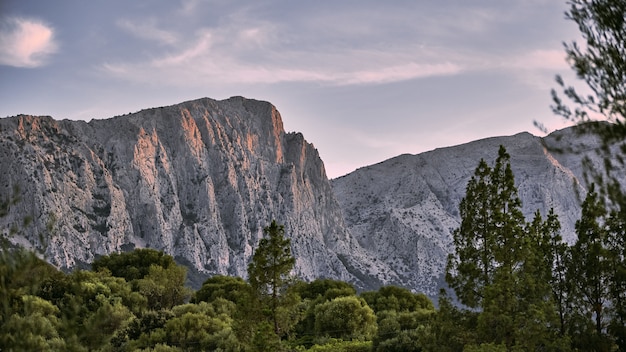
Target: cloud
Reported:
point(26, 42)
point(148, 30)
point(253, 54)
point(398, 73)
point(536, 68)
point(542, 59)
point(332, 45)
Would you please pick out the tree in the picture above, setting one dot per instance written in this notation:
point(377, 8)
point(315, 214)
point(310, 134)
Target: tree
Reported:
point(269, 271)
point(471, 267)
point(324, 288)
point(588, 273)
point(152, 273)
point(399, 299)
point(488, 244)
point(496, 267)
point(164, 287)
point(234, 289)
point(34, 328)
point(616, 264)
point(452, 328)
point(600, 62)
point(346, 318)
point(133, 265)
point(556, 258)
point(544, 290)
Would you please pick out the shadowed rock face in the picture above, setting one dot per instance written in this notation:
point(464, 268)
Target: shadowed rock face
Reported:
point(198, 180)
point(201, 179)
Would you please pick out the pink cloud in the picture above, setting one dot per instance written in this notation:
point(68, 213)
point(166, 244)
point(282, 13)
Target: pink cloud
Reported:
point(26, 43)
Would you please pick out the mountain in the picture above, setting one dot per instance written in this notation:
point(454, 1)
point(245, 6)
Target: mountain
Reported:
point(201, 179)
point(198, 180)
point(403, 211)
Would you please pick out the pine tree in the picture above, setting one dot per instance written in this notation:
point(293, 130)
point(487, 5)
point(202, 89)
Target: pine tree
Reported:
point(470, 268)
point(269, 271)
point(497, 267)
point(588, 273)
point(615, 244)
point(600, 62)
point(555, 257)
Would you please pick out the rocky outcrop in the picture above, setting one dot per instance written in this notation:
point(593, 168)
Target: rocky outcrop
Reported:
point(198, 180)
point(201, 179)
point(403, 210)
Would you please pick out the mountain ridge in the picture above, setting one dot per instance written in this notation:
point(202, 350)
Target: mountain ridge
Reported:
point(201, 179)
point(198, 180)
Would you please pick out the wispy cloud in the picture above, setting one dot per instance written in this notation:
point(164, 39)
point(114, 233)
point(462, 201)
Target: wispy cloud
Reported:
point(541, 59)
point(147, 29)
point(26, 42)
point(536, 68)
point(334, 45)
point(254, 55)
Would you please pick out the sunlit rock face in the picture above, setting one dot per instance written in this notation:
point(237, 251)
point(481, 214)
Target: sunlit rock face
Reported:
point(198, 180)
point(403, 211)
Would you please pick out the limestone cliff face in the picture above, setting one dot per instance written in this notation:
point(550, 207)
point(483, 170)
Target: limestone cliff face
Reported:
point(198, 180)
point(201, 179)
point(403, 210)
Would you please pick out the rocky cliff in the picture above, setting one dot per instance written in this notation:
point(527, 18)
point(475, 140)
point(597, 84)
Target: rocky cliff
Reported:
point(402, 211)
point(198, 180)
point(201, 179)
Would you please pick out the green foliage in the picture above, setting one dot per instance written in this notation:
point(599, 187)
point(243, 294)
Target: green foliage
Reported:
point(534, 293)
point(133, 265)
point(403, 331)
point(485, 347)
point(403, 319)
point(600, 62)
point(269, 275)
point(234, 289)
point(265, 339)
point(451, 328)
point(272, 262)
point(589, 271)
point(503, 265)
point(397, 299)
point(34, 327)
point(312, 294)
point(22, 273)
point(615, 251)
point(324, 288)
point(164, 287)
point(153, 274)
point(343, 346)
point(346, 318)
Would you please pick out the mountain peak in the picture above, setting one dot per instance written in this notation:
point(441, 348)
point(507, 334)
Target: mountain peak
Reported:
point(199, 180)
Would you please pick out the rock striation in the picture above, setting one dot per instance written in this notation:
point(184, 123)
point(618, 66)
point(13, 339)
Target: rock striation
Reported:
point(198, 180)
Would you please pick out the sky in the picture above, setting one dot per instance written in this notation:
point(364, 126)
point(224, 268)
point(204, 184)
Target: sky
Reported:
point(363, 80)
